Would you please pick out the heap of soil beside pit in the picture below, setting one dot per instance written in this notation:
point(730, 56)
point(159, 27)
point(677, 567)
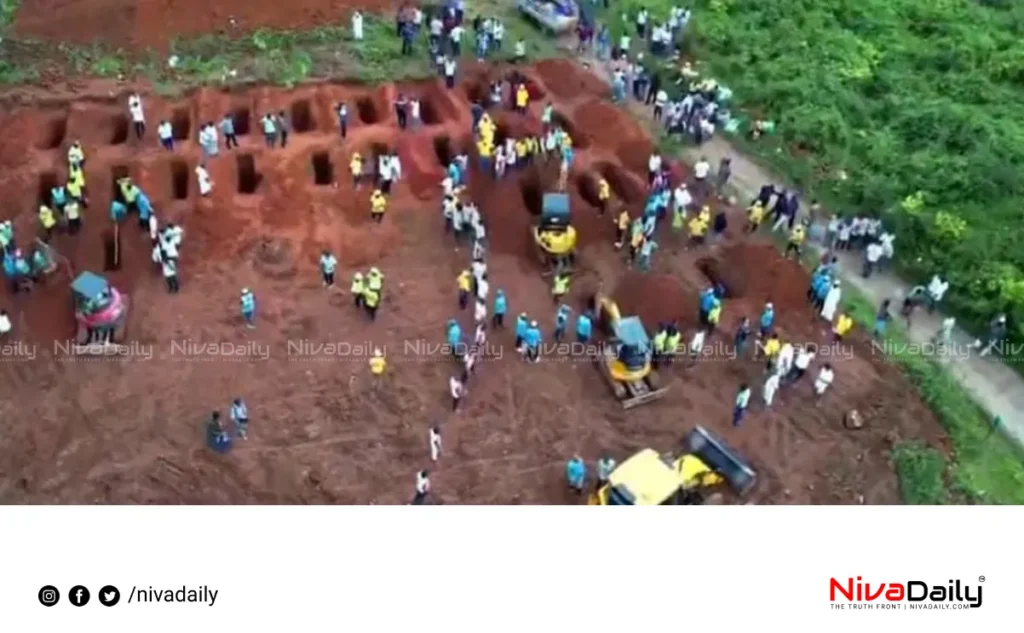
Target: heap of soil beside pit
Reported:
point(611, 126)
point(566, 80)
point(655, 299)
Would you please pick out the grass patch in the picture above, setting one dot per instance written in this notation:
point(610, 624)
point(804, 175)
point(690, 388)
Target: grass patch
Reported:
point(921, 470)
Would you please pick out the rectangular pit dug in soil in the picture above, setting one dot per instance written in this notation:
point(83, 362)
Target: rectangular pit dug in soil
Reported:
point(240, 117)
point(368, 112)
point(625, 186)
point(580, 140)
point(179, 179)
point(248, 178)
point(323, 170)
point(429, 113)
point(536, 92)
point(500, 133)
point(477, 91)
point(117, 172)
point(181, 124)
point(302, 117)
point(587, 186)
point(111, 250)
point(52, 132)
point(718, 275)
point(47, 181)
point(118, 129)
point(532, 191)
point(443, 150)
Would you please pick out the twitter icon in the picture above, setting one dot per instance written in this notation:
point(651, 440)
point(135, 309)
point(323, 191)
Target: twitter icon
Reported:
point(109, 596)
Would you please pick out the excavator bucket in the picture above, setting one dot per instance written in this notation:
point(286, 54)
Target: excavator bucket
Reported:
point(722, 459)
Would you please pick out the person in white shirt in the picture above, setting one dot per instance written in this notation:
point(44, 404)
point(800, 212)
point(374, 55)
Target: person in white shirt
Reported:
point(624, 45)
point(168, 246)
point(153, 227)
point(785, 359)
point(166, 134)
point(520, 52)
point(449, 72)
point(653, 167)
point(871, 257)
point(138, 117)
point(844, 236)
point(396, 167)
point(660, 99)
point(436, 28)
point(434, 439)
point(480, 311)
point(681, 198)
point(803, 360)
point(937, 288)
point(414, 113)
point(468, 363)
point(175, 234)
point(357, 26)
point(824, 379)
point(170, 270)
point(422, 486)
point(203, 178)
point(483, 287)
point(447, 187)
point(886, 240)
point(498, 35)
point(696, 345)
point(455, 35)
point(701, 169)
point(457, 390)
point(5, 324)
point(480, 336)
point(770, 387)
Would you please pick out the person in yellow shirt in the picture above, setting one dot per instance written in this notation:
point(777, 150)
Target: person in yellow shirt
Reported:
point(636, 242)
point(698, 229)
point(560, 286)
point(604, 194)
point(621, 226)
point(843, 325)
point(358, 288)
point(772, 346)
point(371, 299)
point(378, 205)
point(465, 284)
point(521, 152)
point(73, 215)
point(755, 216)
point(796, 240)
point(375, 280)
point(378, 363)
point(355, 165)
point(714, 316)
point(76, 185)
point(47, 220)
point(522, 99)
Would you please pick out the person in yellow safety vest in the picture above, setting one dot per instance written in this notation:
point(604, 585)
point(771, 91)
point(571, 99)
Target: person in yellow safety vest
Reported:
point(796, 239)
point(355, 165)
point(560, 286)
point(375, 280)
point(672, 342)
point(621, 226)
point(714, 316)
point(47, 220)
point(636, 242)
point(76, 155)
point(755, 215)
point(698, 228)
point(604, 194)
point(378, 363)
point(520, 146)
point(522, 98)
point(843, 325)
point(486, 125)
point(464, 282)
point(772, 346)
point(358, 288)
point(660, 343)
point(76, 184)
point(371, 299)
point(129, 192)
point(566, 141)
point(378, 205)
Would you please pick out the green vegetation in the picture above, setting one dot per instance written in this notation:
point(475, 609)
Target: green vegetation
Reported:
point(921, 470)
point(880, 101)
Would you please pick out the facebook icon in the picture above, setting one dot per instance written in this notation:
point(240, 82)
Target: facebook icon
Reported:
point(79, 596)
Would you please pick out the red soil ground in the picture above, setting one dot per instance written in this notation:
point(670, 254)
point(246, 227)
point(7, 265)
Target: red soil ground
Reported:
point(129, 430)
point(137, 25)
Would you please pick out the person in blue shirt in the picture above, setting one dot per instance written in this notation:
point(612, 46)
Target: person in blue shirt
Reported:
point(145, 210)
point(651, 206)
point(820, 287)
point(500, 308)
point(584, 326)
point(576, 474)
point(59, 197)
point(454, 337)
point(767, 319)
point(561, 320)
point(248, 308)
point(707, 304)
point(454, 173)
point(117, 211)
point(522, 324)
point(217, 438)
point(533, 340)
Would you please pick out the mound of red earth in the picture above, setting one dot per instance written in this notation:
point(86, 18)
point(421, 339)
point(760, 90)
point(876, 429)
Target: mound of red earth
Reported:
point(127, 430)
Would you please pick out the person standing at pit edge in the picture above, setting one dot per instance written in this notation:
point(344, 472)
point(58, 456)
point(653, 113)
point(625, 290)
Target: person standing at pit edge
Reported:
point(422, 487)
point(240, 417)
point(248, 302)
point(227, 128)
point(328, 264)
point(742, 400)
point(138, 117)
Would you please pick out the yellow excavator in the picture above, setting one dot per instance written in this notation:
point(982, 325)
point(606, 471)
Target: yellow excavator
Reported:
point(648, 478)
point(554, 235)
point(625, 359)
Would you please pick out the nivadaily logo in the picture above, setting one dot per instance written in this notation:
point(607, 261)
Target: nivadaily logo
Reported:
point(911, 594)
